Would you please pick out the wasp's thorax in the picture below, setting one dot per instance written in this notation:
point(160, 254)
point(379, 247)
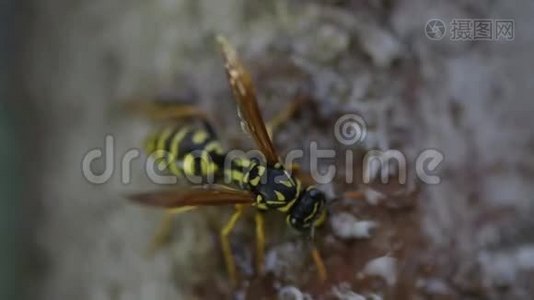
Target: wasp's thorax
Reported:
point(273, 186)
point(276, 189)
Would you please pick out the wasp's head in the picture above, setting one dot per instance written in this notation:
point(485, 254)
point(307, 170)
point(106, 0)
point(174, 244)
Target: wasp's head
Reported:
point(309, 211)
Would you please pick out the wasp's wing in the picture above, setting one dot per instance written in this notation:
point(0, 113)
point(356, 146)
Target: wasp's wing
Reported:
point(245, 95)
point(196, 196)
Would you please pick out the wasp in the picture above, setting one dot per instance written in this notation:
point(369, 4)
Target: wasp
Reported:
point(193, 151)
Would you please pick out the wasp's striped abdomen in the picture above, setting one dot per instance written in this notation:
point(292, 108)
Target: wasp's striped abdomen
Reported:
point(193, 152)
point(235, 170)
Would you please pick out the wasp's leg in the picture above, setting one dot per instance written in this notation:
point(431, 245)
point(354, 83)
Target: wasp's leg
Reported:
point(164, 230)
point(260, 241)
point(283, 116)
point(225, 243)
point(321, 269)
point(165, 111)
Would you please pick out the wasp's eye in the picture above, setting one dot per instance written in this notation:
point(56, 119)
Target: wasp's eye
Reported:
point(298, 224)
point(314, 193)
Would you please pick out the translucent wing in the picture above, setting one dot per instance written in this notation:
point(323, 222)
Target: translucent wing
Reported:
point(195, 196)
point(245, 95)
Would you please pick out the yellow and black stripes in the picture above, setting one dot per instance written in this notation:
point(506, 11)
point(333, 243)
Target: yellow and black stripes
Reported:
point(235, 173)
point(193, 152)
point(186, 151)
point(273, 186)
